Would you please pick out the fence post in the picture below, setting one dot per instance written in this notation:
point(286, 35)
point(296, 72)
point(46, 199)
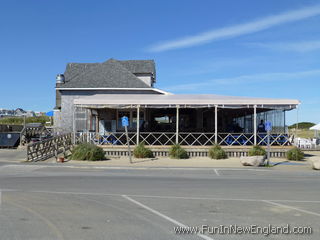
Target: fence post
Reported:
point(56, 150)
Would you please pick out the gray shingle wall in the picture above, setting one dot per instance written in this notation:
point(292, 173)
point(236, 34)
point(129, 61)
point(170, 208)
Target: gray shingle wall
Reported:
point(63, 120)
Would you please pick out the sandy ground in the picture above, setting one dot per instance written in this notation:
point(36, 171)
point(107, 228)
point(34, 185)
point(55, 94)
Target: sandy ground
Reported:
point(13, 155)
point(201, 162)
point(10, 155)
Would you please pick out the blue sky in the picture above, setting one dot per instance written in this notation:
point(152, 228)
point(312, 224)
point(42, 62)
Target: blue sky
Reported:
point(266, 48)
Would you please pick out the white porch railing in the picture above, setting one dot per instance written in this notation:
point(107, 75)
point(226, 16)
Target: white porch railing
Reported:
point(275, 139)
point(196, 139)
point(158, 138)
point(234, 139)
point(186, 139)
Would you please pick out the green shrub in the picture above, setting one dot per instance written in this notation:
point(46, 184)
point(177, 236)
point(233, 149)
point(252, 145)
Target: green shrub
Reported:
point(216, 152)
point(257, 151)
point(141, 151)
point(86, 151)
point(177, 152)
point(295, 154)
point(20, 120)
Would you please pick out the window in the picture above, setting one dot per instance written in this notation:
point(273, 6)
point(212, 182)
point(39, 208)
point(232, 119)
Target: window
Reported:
point(162, 119)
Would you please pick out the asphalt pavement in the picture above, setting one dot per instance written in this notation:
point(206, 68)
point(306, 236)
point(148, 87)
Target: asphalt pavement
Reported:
point(13, 155)
point(54, 201)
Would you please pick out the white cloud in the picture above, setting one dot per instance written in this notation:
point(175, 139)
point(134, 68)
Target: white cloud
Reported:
point(238, 30)
point(211, 66)
point(302, 47)
point(245, 79)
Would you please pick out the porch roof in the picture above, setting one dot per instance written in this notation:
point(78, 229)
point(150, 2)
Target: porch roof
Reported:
point(183, 100)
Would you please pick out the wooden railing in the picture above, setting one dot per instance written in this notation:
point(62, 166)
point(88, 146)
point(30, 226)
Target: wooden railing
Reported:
point(29, 132)
point(185, 138)
point(48, 148)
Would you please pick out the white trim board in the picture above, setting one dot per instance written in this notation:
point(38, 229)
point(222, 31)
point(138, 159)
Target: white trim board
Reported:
point(131, 89)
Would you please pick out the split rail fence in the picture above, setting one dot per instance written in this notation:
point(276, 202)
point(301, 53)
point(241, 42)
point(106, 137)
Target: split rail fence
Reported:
point(48, 148)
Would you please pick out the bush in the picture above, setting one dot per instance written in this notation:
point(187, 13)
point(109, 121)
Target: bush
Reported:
point(295, 154)
point(20, 120)
point(141, 151)
point(257, 151)
point(216, 152)
point(177, 152)
point(86, 151)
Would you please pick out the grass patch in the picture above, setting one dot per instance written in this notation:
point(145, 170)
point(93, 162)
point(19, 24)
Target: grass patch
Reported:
point(302, 125)
point(141, 151)
point(295, 154)
point(87, 152)
point(302, 133)
point(216, 152)
point(177, 152)
point(257, 151)
point(19, 120)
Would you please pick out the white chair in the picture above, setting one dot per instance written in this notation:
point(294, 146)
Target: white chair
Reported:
point(305, 143)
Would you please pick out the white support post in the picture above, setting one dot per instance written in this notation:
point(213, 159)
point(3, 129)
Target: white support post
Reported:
point(177, 125)
point(284, 122)
point(297, 123)
point(138, 123)
point(73, 124)
point(216, 124)
point(255, 124)
point(97, 125)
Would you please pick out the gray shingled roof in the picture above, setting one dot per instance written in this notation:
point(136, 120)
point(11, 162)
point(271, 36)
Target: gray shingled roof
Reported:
point(139, 66)
point(75, 69)
point(109, 74)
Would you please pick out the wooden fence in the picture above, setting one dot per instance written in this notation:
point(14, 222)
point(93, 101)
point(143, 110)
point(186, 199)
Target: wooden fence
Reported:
point(29, 132)
point(49, 148)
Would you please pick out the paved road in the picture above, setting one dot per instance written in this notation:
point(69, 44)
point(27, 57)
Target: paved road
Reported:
point(49, 201)
point(12, 155)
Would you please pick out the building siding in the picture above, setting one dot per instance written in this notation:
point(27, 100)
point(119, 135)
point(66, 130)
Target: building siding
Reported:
point(63, 119)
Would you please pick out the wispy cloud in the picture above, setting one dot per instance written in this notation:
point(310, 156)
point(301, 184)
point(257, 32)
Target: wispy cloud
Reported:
point(203, 67)
point(237, 30)
point(245, 79)
point(302, 47)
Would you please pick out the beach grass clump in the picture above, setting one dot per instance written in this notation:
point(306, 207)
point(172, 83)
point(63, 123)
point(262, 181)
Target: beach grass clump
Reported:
point(295, 154)
point(257, 151)
point(216, 152)
point(140, 151)
point(87, 152)
point(177, 152)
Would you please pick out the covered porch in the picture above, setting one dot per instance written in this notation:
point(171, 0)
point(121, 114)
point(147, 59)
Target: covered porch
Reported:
point(190, 120)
